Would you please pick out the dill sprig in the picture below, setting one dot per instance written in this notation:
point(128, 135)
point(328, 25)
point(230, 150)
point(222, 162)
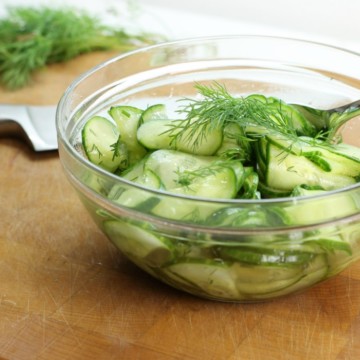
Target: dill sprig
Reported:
point(116, 147)
point(32, 38)
point(120, 150)
point(217, 107)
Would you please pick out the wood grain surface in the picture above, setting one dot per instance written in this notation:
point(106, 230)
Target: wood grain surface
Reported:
point(66, 293)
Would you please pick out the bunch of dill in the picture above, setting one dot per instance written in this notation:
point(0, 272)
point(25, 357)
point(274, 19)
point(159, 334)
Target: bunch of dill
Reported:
point(31, 38)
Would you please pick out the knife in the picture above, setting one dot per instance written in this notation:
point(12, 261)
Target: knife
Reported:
point(35, 124)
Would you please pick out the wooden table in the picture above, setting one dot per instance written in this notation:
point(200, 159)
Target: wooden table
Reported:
point(66, 293)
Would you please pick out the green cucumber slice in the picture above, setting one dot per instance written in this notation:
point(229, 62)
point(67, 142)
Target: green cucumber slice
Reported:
point(315, 272)
point(127, 119)
point(100, 139)
point(139, 199)
point(323, 209)
point(196, 175)
point(159, 134)
point(154, 112)
point(285, 171)
point(286, 113)
point(214, 278)
point(139, 243)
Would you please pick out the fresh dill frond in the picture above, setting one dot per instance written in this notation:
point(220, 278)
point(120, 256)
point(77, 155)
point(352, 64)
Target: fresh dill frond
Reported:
point(217, 107)
point(32, 38)
point(120, 150)
point(95, 149)
point(115, 147)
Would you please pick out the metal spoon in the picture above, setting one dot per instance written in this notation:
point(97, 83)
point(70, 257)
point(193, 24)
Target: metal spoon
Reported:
point(333, 119)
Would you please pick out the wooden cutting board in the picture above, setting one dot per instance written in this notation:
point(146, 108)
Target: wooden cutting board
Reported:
point(66, 293)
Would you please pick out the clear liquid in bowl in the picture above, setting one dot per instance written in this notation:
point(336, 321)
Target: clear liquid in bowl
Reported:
point(198, 255)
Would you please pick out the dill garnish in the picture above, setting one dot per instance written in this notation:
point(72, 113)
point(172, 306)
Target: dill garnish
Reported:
point(32, 38)
point(216, 108)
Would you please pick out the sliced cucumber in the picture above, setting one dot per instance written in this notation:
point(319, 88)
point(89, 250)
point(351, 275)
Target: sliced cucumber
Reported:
point(159, 134)
point(168, 164)
point(180, 209)
point(323, 209)
point(233, 144)
point(139, 243)
point(127, 119)
point(253, 217)
point(256, 280)
point(315, 271)
point(286, 114)
point(250, 184)
point(195, 175)
point(266, 256)
point(214, 278)
point(149, 179)
point(101, 141)
point(135, 198)
point(154, 134)
point(220, 185)
point(340, 257)
point(154, 112)
point(134, 171)
point(284, 170)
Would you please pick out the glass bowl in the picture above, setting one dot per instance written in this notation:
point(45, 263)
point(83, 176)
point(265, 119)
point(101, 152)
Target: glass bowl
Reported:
point(227, 250)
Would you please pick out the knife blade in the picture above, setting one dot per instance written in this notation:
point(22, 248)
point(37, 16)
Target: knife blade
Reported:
point(35, 124)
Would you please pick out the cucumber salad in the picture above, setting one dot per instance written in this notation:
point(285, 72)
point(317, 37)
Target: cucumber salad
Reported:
point(199, 167)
